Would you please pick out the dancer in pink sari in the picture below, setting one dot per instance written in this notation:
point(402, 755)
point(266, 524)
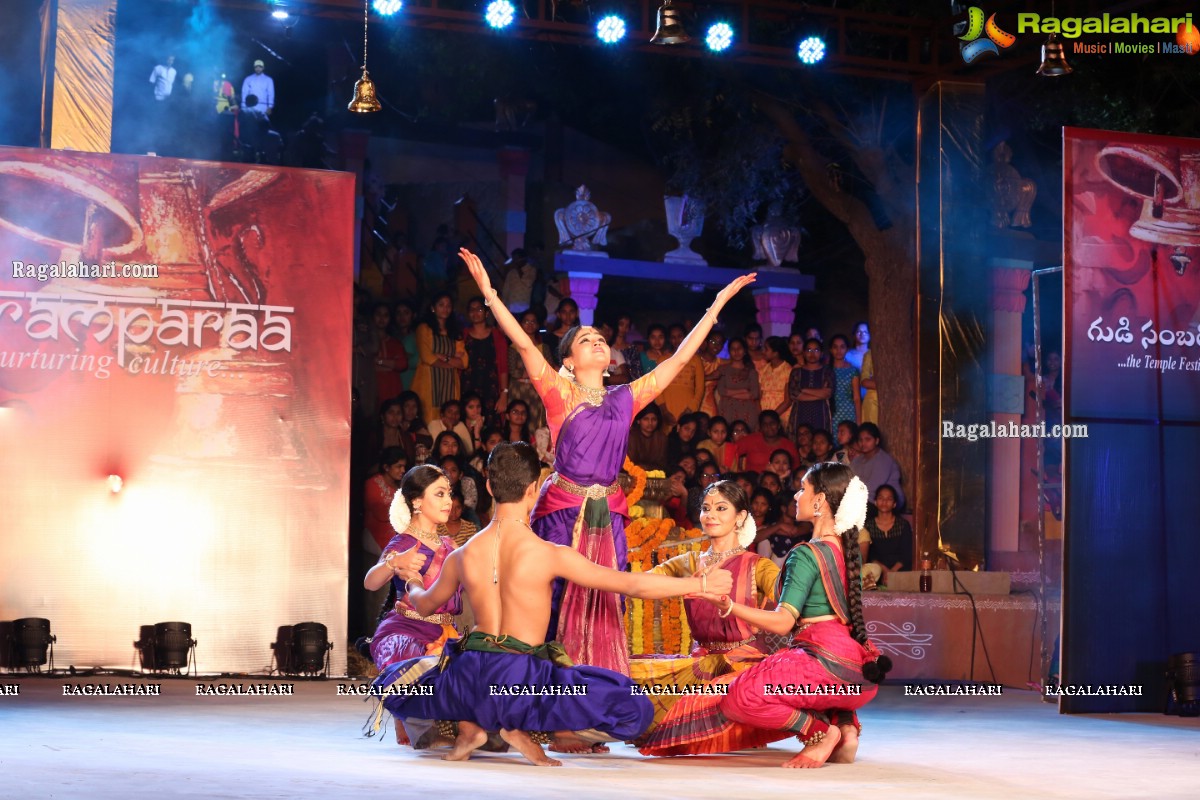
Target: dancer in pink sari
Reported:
point(581, 505)
point(813, 689)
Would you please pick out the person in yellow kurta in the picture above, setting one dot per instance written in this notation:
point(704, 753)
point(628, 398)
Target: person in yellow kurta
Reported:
point(685, 394)
point(442, 355)
point(870, 401)
point(722, 644)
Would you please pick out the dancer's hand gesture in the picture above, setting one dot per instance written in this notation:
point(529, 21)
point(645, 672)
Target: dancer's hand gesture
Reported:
point(475, 266)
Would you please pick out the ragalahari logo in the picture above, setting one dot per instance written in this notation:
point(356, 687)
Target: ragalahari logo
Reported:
point(971, 34)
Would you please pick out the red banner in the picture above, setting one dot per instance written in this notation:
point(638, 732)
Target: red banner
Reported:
point(1132, 275)
point(174, 401)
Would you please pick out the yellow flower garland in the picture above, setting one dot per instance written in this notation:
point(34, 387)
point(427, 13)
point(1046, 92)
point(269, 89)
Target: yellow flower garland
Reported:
point(639, 481)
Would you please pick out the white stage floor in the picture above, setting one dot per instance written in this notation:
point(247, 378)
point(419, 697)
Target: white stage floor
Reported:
point(309, 745)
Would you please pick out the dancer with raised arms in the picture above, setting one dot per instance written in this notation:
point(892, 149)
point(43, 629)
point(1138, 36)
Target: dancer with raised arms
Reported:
point(581, 503)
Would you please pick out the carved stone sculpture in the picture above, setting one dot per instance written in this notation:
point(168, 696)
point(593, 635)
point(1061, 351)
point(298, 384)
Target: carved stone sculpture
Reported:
point(1012, 195)
point(775, 240)
point(582, 226)
point(685, 221)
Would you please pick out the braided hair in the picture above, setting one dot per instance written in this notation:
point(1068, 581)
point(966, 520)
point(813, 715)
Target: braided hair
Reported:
point(831, 479)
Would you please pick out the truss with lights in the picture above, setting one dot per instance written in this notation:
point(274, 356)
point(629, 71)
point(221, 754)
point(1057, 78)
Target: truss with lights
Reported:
point(768, 32)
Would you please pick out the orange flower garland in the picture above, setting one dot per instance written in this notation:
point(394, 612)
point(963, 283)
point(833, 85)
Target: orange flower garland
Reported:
point(639, 481)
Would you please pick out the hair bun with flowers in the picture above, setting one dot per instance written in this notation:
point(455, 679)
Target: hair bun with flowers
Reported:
point(746, 532)
point(399, 513)
point(852, 511)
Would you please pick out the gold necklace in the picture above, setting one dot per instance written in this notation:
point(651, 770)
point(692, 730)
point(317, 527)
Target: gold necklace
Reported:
point(431, 540)
point(591, 394)
point(496, 547)
point(716, 558)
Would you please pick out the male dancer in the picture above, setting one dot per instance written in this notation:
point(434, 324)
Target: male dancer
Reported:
point(504, 676)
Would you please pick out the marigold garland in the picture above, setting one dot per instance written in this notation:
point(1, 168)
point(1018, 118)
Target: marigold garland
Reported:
point(639, 481)
point(647, 541)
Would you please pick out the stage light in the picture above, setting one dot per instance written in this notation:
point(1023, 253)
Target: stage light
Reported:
point(31, 638)
point(610, 29)
point(811, 50)
point(719, 37)
point(500, 14)
point(279, 13)
point(385, 8)
point(115, 483)
point(167, 645)
point(302, 649)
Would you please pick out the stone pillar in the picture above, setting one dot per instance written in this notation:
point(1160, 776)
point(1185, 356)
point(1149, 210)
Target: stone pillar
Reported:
point(776, 310)
point(584, 288)
point(1010, 278)
point(514, 169)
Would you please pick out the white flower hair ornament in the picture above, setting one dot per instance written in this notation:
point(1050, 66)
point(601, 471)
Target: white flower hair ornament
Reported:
point(852, 512)
point(399, 514)
point(746, 532)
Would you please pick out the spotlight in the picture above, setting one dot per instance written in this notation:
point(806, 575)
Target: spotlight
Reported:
point(385, 8)
point(302, 649)
point(166, 646)
point(811, 50)
point(610, 29)
point(719, 37)
point(115, 483)
point(31, 638)
point(500, 14)
point(279, 13)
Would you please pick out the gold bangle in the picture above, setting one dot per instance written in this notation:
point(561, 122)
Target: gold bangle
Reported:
point(726, 612)
point(704, 583)
point(412, 580)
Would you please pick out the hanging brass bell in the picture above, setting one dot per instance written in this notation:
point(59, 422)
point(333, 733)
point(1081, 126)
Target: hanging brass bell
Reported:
point(1054, 60)
point(670, 28)
point(365, 101)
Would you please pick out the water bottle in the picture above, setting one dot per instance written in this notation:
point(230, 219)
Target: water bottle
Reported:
point(926, 575)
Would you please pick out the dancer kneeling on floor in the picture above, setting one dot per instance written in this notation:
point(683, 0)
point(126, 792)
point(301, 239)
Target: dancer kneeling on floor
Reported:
point(503, 676)
point(812, 689)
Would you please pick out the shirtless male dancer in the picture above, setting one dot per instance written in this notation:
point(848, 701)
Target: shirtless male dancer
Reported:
point(507, 573)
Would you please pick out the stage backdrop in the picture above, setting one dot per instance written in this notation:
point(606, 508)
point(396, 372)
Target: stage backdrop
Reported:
point(201, 354)
point(1132, 374)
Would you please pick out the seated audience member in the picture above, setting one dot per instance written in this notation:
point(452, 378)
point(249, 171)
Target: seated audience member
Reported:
point(457, 528)
point(717, 443)
point(756, 448)
point(847, 443)
point(647, 442)
point(886, 539)
point(450, 420)
point(874, 466)
point(683, 440)
point(822, 448)
point(781, 464)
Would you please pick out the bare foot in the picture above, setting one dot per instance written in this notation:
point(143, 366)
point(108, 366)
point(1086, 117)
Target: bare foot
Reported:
point(470, 738)
point(847, 748)
point(568, 742)
point(814, 755)
point(600, 748)
point(401, 736)
point(520, 741)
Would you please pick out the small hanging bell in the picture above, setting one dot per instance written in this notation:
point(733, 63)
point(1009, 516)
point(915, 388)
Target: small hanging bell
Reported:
point(364, 101)
point(670, 28)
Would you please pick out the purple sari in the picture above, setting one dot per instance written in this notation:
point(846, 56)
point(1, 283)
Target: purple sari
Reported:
point(404, 634)
point(590, 451)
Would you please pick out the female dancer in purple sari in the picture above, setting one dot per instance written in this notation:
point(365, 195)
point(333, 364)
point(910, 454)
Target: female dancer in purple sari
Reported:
point(581, 505)
point(422, 504)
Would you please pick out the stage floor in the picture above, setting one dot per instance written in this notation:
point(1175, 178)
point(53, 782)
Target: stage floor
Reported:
point(309, 745)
